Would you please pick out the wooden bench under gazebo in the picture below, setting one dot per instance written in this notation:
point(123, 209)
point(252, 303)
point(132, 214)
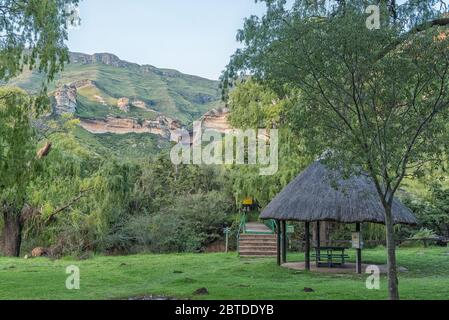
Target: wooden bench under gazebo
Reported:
point(321, 194)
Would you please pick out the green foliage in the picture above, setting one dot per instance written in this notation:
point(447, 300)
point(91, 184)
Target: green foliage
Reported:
point(254, 106)
point(132, 147)
point(17, 146)
point(33, 34)
point(375, 104)
point(188, 224)
point(173, 209)
point(125, 206)
point(102, 190)
point(432, 213)
point(424, 234)
point(373, 100)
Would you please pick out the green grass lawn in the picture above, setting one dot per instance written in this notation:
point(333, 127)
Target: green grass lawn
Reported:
point(224, 275)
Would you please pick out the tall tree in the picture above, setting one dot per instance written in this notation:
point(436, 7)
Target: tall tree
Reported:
point(254, 106)
point(32, 35)
point(23, 165)
point(377, 96)
point(17, 151)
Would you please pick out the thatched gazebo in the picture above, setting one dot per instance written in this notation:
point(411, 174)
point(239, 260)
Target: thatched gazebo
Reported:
point(321, 194)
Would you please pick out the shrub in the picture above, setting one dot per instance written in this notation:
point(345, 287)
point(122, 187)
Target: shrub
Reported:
point(189, 224)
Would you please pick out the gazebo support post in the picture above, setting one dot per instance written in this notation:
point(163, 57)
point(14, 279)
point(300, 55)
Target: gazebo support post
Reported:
point(318, 243)
point(278, 247)
point(284, 241)
point(307, 245)
point(358, 251)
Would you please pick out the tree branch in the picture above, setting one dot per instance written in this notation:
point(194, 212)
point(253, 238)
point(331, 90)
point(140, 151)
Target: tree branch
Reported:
point(53, 215)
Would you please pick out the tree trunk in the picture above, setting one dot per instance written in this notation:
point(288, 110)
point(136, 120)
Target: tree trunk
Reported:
point(12, 233)
point(324, 232)
point(393, 283)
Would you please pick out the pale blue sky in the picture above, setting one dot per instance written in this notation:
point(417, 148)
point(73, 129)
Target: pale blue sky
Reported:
point(193, 36)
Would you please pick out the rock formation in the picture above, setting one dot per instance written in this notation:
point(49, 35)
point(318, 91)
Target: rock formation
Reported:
point(162, 126)
point(65, 98)
point(139, 104)
point(217, 120)
point(104, 58)
point(83, 83)
point(167, 128)
point(123, 104)
point(39, 252)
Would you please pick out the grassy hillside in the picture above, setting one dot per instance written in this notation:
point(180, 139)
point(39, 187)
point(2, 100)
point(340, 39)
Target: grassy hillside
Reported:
point(132, 146)
point(90, 107)
point(151, 91)
point(169, 92)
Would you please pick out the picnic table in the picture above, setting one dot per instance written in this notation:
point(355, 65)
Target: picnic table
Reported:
point(330, 256)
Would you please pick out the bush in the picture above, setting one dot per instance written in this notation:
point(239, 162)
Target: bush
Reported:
point(434, 213)
point(189, 224)
point(425, 233)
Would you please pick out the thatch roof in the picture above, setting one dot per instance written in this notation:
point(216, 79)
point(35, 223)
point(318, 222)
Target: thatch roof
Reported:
point(321, 194)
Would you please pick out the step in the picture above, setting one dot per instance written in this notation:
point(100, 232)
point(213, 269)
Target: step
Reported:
point(256, 247)
point(256, 226)
point(258, 241)
point(258, 236)
point(257, 244)
point(253, 246)
point(258, 250)
point(268, 232)
point(268, 241)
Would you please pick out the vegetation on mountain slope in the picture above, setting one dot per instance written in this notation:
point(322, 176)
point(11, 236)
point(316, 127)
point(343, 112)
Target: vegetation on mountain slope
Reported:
point(171, 93)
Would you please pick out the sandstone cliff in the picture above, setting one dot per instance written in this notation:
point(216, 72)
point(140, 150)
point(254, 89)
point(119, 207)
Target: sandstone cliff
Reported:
point(65, 100)
point(217, 120)
point(164, 126)
point(123, 104)
point(161, 126)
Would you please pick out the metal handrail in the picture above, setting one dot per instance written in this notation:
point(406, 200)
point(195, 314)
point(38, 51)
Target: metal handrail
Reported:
point(241, 229)
point(270, 224)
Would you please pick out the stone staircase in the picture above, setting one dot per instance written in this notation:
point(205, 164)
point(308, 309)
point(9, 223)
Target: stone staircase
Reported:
point(257, 241)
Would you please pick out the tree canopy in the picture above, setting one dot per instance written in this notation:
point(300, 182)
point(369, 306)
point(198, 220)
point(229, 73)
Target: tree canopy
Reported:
point(374, 99)
point(33, 35)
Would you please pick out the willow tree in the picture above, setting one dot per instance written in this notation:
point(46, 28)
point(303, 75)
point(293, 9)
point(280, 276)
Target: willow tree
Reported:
point(373, 85)
point(32, 36)
point(17, 152)
point(254, 106)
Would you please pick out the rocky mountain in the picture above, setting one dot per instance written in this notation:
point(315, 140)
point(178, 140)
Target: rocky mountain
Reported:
point(129, 108)
point(108, 86)
point(67, 101)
